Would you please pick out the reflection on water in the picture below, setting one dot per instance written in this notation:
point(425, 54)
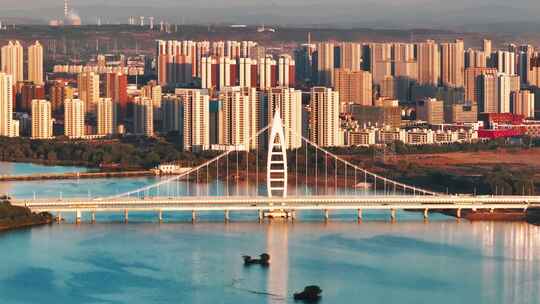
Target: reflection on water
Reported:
point(278, 243)
point(377, 262)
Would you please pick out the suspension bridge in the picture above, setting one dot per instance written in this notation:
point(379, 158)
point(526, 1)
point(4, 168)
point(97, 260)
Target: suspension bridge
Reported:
point(274, 181)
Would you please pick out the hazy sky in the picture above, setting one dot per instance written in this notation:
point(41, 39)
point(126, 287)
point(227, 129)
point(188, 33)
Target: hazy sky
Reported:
point(393, 13)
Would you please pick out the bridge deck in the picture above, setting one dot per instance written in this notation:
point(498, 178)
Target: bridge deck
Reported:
point(290, 203)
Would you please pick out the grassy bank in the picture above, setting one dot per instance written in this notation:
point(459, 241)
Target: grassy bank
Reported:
point(13, 217)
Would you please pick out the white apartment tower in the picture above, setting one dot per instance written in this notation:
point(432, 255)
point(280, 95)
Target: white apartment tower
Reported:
point(324, 124)
point(196, 128)
point(289, 102)
point(42, 123)
point(8, 126)
point(74, 112)
point(106, 116)
point(453, 64)
point(35, 63)
point(88, 83)
point(429, 67)
point(12, 60)
point(325, 64)
point(239, 117)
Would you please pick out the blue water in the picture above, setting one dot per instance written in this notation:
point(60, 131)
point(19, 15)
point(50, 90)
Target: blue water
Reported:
point(27, 168)
point(443, 261)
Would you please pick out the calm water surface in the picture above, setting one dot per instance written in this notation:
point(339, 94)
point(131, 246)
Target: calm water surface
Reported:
point(442, 261)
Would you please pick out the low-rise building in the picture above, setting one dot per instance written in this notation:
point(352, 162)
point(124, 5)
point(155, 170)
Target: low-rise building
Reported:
point(389, 135)
point(420, 137)
point(361, 137)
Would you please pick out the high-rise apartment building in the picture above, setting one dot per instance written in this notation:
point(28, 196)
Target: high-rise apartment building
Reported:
point(350, 56)
point(26, 92)
point(475, 59)
point(178, 61)
point(58, 92)
point(487, 48)
point(239, 118)
point(353, 87)
point(405, 65)
point(42, 123)
point(453, 64)
point(8, 126)
point(303, 62)
point(12, 60)
point(325, 64)
point(143, 116)
point(430, 110)
point(268, 73)
point(106, 116)
point(285, 71)
point(324, 127)
point(154, 91)
point(172, 113)
point(506, 62)
point(525, 57)
point(116, 89)
point(380, 61)
point(522, 103)
point(247, 72)
point(196, 128)
point(388, 88)
point(218, 72)
point(289, 102)
point(474, 84)
point(35, 63)
point(488, 99)
point(88, 83)
point(505, 88)
point(428, 58)
point(74, 113)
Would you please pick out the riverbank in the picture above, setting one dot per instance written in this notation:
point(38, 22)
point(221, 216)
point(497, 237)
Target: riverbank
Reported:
point(75, 175)
point(13, 217)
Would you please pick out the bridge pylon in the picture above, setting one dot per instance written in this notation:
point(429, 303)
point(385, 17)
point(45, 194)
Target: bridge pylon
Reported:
point(276, 171)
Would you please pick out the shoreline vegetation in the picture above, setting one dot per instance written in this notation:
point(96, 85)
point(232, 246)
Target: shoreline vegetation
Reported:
point(14, 217)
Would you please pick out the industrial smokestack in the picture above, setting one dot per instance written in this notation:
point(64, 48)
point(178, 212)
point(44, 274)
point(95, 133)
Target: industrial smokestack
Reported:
point(66, 9)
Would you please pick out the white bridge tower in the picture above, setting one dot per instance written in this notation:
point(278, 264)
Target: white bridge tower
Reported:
point(276, 170)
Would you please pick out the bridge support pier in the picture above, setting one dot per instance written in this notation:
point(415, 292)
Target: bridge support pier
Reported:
point(193, 216)
point(326, 215)
point(458, 213)
point(126, 216)
point(227, 216)
point(93, 217)
point(160, 216)
point(78, 215)
point(359, 215)
point(426, 214)
point(393, 214)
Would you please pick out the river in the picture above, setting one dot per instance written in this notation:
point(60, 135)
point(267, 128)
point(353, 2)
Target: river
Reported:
point(443, 261)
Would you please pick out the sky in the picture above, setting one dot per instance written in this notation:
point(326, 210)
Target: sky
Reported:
point(375, 13)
